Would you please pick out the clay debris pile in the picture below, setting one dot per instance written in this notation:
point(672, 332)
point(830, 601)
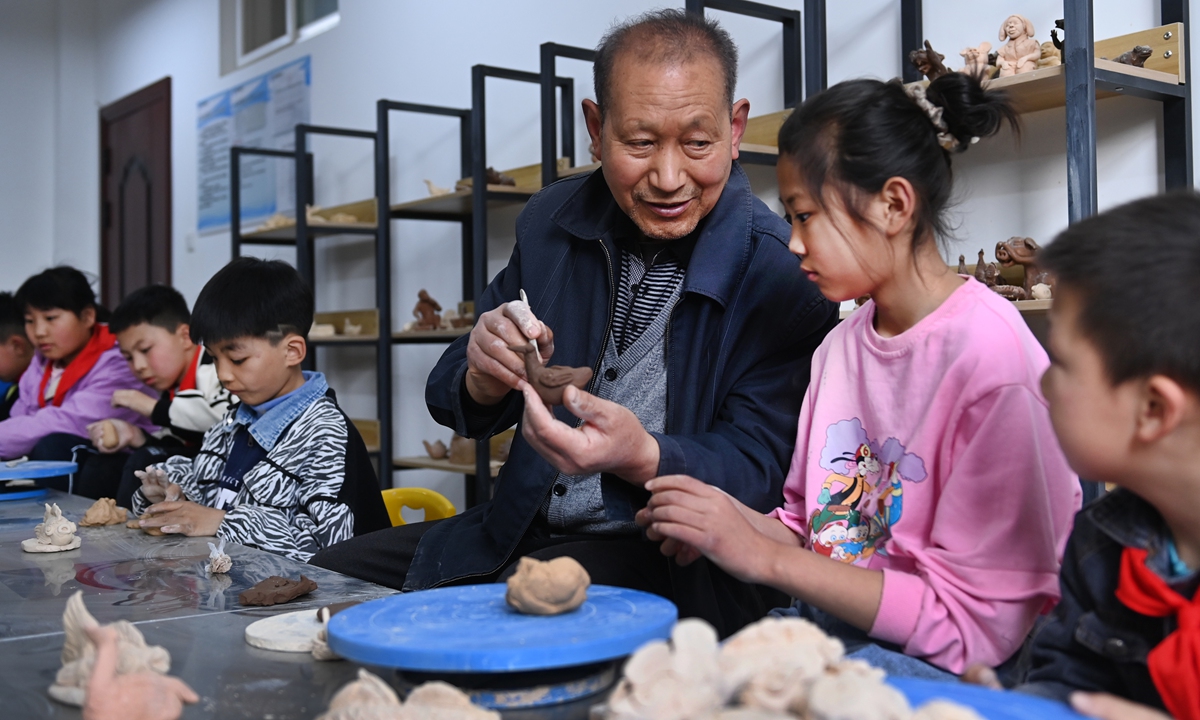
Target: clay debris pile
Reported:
point(775, 669)
point(369, 698)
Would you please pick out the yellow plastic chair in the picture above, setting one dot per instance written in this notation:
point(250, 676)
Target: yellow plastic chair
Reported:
point(435, 505)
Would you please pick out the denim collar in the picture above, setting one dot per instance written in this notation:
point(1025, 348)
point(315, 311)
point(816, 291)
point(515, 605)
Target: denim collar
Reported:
point(267, 428)
point(1130, 521)
point(722, 251)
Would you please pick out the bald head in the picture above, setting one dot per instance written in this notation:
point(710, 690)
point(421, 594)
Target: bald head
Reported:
point(664, 37)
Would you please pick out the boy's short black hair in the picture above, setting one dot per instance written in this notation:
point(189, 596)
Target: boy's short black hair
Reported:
point(255, 298)
point(1136, 272)
point(156, 305)
point(12, 317)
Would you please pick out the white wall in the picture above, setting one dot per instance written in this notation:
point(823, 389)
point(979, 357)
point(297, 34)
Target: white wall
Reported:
point(75, 56)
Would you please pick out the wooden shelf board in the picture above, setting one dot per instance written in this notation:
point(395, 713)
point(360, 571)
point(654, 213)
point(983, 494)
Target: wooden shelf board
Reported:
point(1044, 89)
point(364, 209)
point(459, 202)
point(427, 463)
point(764, 130)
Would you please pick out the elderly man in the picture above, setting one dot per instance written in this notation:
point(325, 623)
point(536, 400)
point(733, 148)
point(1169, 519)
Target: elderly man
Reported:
point(664, 274)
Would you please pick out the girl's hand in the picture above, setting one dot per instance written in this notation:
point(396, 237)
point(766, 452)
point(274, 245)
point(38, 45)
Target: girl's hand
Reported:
point(706, 520)
point(183, 517)
point(1111, 707)
point(135, 400)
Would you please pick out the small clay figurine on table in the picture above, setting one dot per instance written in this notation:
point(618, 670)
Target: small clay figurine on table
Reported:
point(929, 62)
point(53, 534)
point(975, 60)
point(547, 588)
point(104, 512)
point(551, 381)
point(276, 590)
point(426, 312)
point(1021, 53)
point(218, 561)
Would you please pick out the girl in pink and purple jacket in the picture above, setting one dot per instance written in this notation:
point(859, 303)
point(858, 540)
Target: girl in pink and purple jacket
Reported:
point(928, 502)
point(70, 382)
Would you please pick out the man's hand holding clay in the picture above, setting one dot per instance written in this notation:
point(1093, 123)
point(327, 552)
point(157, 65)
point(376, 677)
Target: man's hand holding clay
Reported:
point(493, 370)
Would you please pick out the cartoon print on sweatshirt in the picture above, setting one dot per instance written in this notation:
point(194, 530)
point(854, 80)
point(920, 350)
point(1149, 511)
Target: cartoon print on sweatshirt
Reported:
point(863, 496)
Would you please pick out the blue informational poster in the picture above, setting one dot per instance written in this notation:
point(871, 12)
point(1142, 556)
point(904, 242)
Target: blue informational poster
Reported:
point(261, 112)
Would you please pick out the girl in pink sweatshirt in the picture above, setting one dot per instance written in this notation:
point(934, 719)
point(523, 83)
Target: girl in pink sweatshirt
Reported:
point(928, 502)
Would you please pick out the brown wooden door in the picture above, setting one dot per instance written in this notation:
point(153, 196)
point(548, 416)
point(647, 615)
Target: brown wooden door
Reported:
point(135, 192)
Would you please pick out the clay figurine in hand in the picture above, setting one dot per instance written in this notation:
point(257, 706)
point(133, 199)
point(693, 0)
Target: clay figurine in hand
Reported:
point(436, 450)
point(218, 561)
point(426, 312)
point(79, 658)
point(551, 381)
point(53, 534)
point(1136, 57)
point(276, 590)
point(104, 512)
point(975, 60)
point(1024, 252)
point(928, 62)
point(547, 588)
point(1021, 53)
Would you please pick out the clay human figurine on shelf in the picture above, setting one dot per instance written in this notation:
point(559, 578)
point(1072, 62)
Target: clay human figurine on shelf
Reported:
point(1051, 56)
point(550, 381)
point(1021, 53)
point(426, 312)
point(53, 534)
point(928, 62)
point(1023, 251)
point(975, 60)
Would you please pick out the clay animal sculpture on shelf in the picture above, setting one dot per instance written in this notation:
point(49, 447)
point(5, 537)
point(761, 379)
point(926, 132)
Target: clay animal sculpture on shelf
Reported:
point(1023, 251)
point(989, 273)
point(349, 328)
point(218, 561)
point(276, 590)
point(435, 191)
point(462, 450)
point(1051, 56)
point(1059, 27)
point(962, 264)
point(426, 312)
point(1041, 291)
point(322, 330)
point(975, 60)
point(436, 450)
point(1136, 57)
point(53, 534)
point(550, 381)
point(104, 512)
point(79, 653)
point(1021, 53)
point(370, 698)
point(928, 62)
point(495, 177)
point(553, 587)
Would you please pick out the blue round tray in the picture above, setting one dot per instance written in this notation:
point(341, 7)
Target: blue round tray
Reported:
point(470, 629)
point(34, 469)
point(992, 704)
point(24, 494)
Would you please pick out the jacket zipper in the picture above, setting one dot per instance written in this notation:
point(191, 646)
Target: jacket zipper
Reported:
point(612, 310)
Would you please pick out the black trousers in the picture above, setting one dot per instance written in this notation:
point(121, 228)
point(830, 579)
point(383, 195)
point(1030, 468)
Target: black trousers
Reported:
point(98, 475)
point(698, 590)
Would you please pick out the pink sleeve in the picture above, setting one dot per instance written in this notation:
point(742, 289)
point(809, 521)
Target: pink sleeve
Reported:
point(990, 566)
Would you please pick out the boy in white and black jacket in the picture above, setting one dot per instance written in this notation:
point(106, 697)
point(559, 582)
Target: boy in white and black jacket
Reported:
point(152, 325)
point(285, 470)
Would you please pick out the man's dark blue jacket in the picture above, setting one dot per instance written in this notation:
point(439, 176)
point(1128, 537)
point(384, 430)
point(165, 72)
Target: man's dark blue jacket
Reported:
point(739, 346)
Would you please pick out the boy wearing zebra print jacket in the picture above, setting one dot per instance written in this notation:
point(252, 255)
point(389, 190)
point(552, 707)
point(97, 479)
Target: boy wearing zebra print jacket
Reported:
point(285, 470)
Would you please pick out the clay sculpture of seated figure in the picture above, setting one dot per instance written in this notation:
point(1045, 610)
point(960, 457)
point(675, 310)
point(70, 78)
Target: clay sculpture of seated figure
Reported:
point(53, 534)
point(1021, 53)
point(551, 381)
point(426, 312)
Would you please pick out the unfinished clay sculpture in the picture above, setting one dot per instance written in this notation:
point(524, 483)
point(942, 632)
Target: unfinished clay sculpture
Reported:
point(1136, 57)
point(547, 588)
point(1051, 56)
point(550, 381)
point(108, 435)
point(276, 590)
point(103, 512)
point(770, 664)
point(218, 561)
point(369, 698)
point(436, 450)
point(53, 534)
point(426, 312)
point(1023, 251)
point(975, 60)
point(928, 62)
point(79, 653)
point(853, 690)
point(674, 680)
point(1021, 53)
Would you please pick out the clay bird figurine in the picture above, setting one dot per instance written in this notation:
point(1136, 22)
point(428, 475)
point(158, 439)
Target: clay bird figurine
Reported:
point(551, 381)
